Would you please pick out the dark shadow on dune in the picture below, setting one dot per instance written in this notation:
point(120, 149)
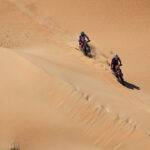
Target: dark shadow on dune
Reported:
point(131, 86)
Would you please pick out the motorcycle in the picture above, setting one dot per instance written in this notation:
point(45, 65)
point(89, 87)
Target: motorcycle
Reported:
point(85, 48)
point(119, 75)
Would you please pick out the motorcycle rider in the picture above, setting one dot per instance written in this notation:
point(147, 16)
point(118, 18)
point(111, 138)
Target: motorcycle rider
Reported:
point(82, 39)
point(115, 61)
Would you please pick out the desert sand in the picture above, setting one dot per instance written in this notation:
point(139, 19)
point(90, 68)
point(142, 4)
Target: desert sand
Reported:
point(52, 97)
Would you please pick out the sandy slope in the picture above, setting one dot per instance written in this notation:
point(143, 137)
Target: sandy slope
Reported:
point(52, 97)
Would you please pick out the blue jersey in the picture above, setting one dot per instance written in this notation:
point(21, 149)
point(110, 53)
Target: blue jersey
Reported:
point(83, 38)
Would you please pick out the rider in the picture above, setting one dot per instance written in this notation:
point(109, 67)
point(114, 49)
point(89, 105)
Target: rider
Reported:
point(82, 39)
point(114, 62)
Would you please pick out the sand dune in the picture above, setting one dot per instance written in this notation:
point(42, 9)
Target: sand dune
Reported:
point(52, 97)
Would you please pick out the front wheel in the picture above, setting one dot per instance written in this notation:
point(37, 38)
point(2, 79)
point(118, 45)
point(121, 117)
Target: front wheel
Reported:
point(88, 51)
point(85, 51)
point(121, 80)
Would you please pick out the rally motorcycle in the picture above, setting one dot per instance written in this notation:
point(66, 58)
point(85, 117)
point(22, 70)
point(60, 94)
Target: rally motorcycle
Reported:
point(86, 48)
point(119, 75)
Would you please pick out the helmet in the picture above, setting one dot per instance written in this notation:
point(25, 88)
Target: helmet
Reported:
point(116, 56)
point(82, 33)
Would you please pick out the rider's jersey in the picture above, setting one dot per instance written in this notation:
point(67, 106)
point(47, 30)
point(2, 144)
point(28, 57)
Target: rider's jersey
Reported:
point(115, 62)
point(83, 38)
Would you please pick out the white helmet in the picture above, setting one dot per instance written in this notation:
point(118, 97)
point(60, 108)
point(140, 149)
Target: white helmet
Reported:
point(116, 56)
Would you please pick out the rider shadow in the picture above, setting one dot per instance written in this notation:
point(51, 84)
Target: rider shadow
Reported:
point(131, 86)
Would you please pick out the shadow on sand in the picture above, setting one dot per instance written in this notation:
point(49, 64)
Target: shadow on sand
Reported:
point(131, 86)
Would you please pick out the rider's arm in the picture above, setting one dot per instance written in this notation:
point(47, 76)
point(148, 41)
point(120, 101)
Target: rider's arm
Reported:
point(111, 64)
point(79, 39)
point(120, 61)
point(87, 37)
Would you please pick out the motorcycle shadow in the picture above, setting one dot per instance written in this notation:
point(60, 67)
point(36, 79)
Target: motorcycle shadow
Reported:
point(131, 86)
